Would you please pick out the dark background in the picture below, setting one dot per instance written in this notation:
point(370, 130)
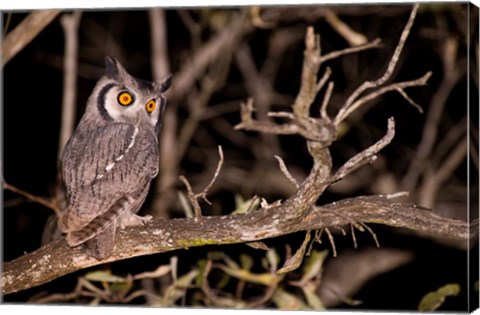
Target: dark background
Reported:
point(32, 110)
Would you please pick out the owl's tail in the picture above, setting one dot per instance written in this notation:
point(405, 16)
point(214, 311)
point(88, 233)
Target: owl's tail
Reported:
point(101, 246)
point(96, 226)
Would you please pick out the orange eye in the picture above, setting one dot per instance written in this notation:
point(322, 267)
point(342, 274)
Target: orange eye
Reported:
point(150, 107)
point(125, 98)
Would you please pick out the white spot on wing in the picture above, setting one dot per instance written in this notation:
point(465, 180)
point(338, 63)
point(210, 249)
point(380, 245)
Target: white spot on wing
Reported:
point(109, 166)
point(112, 164)
point(132, 140)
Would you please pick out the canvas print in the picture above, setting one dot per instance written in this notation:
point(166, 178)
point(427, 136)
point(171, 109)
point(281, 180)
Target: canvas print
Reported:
point(303, 157)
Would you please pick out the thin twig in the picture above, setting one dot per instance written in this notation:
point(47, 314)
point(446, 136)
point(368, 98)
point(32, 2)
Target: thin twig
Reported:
point(324, 79)
point(354, 238)
point(412, 102)
point(326, 100)
point(332, 242)
point(286, 115)
point(203, 194)
point(390, 68)
point(318, 236)
point(392, 87)
point(37, 199)
point(351, 50)
point(371, 233)
point(452, 73)
point(194, 197)
point(434, 179)
point(367, 155)
point(285, 171)
point(252, 204)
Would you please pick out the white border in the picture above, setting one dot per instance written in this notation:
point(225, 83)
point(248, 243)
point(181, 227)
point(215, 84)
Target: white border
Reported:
point(8, 5)
point(96, 4)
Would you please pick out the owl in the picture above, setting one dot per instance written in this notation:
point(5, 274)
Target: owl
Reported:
point(111, 158)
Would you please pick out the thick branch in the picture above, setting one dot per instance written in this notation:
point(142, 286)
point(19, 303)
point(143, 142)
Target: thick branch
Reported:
point(70, 24)
point(57, 259)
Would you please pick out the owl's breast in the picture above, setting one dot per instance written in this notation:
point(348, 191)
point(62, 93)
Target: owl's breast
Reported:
point(109, 161)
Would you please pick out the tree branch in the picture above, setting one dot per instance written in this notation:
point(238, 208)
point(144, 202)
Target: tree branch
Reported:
point(70, 23)
point(25, 32)
point(57, 259)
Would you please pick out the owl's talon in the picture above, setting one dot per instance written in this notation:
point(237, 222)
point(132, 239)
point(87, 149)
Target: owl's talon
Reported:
point(134, 220)
point(147, 218)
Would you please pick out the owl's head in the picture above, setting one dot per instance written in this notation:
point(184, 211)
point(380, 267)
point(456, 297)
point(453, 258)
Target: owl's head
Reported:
point(120, 97)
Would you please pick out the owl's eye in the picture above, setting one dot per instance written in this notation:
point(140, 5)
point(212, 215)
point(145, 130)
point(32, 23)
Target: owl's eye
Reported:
point(125, 98)
point(150, 107)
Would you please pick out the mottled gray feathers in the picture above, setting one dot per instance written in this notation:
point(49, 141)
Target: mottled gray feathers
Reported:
point(110, 160)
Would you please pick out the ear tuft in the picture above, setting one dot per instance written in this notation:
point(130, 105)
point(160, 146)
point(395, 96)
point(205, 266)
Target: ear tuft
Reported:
point(164, 84)
point(111, 68)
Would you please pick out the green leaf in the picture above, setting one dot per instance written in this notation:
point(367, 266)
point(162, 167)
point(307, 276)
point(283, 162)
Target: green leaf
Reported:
point(272, 259)
point(224, 280)
point(433, 300)
point(242, 205)
point(312, 298)
point(265, 278)
point(246, 261)
point(104, 276)
point(287, 301)
point(177, 289)
point(313, 265)
point(157, 273)
point(201, 269)
point(120, 288)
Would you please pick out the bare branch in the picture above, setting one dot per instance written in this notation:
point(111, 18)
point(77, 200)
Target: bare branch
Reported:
point(194, 197)
point(285, 171)
point(390, 68)
point(367, 155)
point(351, 50)
point(353, 38)
point(43, 201)
point(392, 87)
point(248, 123)
point(323, 80)
point(332, 242)
point(436, 178)
point(257, 19)
point(326, 100)
point(203, 194)
point(354, 238)
point(371, 233)
point(412, 102)
point(57, 258)
point(23, 34)
point(453, 71)
point(70, 23)
point(158, 28)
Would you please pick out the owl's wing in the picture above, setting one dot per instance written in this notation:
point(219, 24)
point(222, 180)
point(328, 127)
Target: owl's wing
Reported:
point(105, 170)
